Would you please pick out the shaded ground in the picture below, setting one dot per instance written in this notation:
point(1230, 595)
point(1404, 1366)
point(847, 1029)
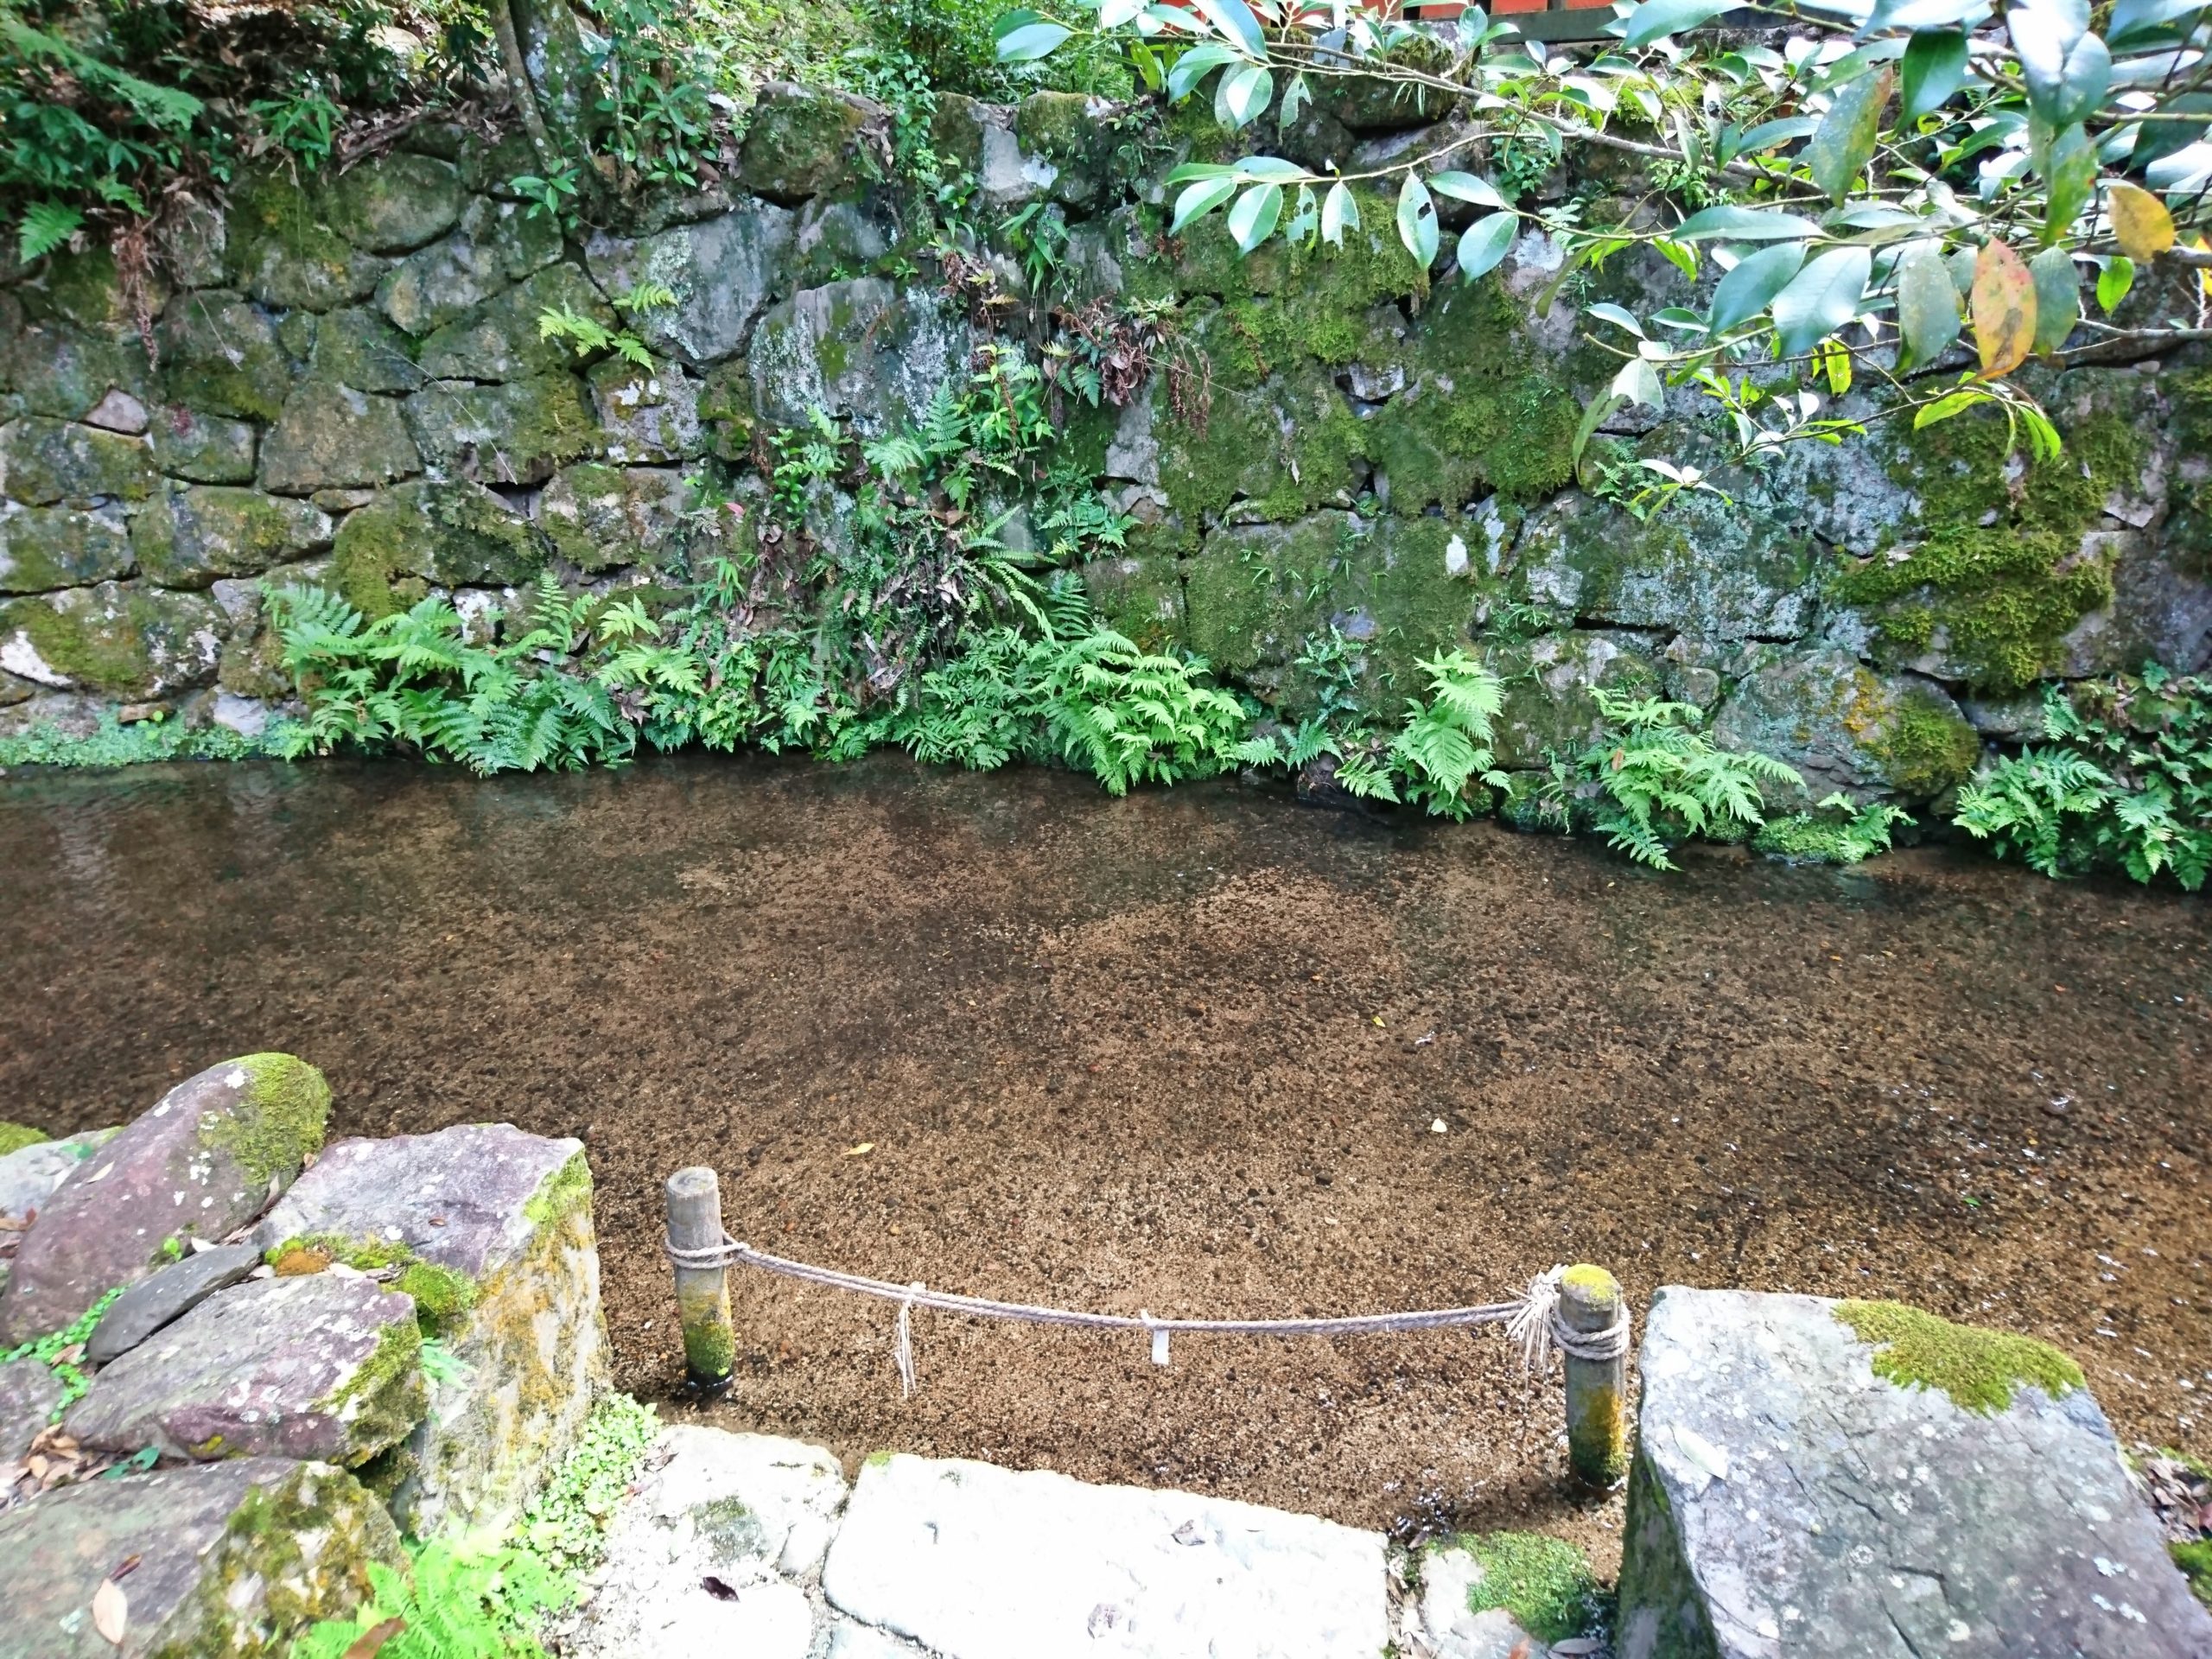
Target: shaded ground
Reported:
point(1180, 1052)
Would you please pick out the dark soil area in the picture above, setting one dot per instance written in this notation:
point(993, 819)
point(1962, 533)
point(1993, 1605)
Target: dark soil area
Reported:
point(1180, 1052)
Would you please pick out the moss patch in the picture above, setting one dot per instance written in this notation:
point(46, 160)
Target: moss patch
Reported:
point(278, 1119)
point(1980, 1370)
point(386, 1387)
point(1545, 1583)
point(442, 1296)
point(2195, 1561)
point(14, 1137)
point(566, 1189)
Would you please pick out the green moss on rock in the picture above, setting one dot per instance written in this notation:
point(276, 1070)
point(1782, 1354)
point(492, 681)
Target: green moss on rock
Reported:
point(1978, 1369)
point(389, 553)
point(127, 640)
point(566, 1190)
point(14, 1137)
point(280, 1116)
point(386, 1389)
point(1545, 1583)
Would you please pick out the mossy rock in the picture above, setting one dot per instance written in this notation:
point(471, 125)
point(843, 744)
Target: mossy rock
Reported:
point(129, 640)
point(220, 356)
point(48, 460)
point(358, 348)
point(519, 432)
point(429, 534)
point(59, 370)
point(1980, 1370)
point(500, 340)
point(1275, 453)
point(1845, 727)
point(496, 244)
point(283, 251)
point(203, 449)
point(189, 537)
point(14, 1137)
point(647, 415)
point(331, 436)
point(805, 141)
point(1140, 596)
point(46, 548)
point(598, 518)
point(1550, 708)
point(394, 203)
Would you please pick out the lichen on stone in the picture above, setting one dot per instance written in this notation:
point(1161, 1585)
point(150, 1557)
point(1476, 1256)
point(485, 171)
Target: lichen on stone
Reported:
point(279, 1117)
point(386, 1387)
point(1978, 1369)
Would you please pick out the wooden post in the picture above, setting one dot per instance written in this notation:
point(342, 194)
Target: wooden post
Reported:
point(695, 1222)
point(1597, 1389)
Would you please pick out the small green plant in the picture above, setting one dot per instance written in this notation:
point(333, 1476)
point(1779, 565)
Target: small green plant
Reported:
point(59, 1351)
point(1656, 778)
point(566, 1521)
point(459, 1599)
point(1128, 716)
point(1443, 747)
point(1545, 1583)
point(2124, 783)
point(110, 743)
point(589, 336)
point(1836, 831)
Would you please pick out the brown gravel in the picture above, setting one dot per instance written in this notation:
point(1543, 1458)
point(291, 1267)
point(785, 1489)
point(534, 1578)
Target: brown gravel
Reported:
point(1180, 1052)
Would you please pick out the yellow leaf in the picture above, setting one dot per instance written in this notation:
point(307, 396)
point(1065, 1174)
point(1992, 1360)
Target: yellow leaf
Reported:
point(862, 1150)
point(110, 1611)
point(2003, 306)
point(2140, 223)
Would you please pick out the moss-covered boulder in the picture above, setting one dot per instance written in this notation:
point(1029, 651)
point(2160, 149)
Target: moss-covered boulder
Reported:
point(648, 415)
point(232, 1561)
point(85, 291)
point(203, 1162)
point(45, 548)
point(320, 1365)
point(518, 432)
point(188, 537)
point(332, 437)
point(1847, 1477)
point(66, 372)
point(722, 270)
point(1140, 595)
point(202, 448)
point(49, 461)
point(1069, 140)
point(1548, 707)
point(496, 244)
point(220, 356)
point(284, 252)
point(491, 1230)
point(357, 348)
point(426, 534)
point(805, 141)
point(860, 350)
point(1845, 727)
point(500, 340)
point(394, 203)
point(129, 640)
point(600, 518)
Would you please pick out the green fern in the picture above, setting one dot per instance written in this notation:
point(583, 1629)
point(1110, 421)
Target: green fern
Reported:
point(1659, 779)
point(1837, 831)
point(459, 1599)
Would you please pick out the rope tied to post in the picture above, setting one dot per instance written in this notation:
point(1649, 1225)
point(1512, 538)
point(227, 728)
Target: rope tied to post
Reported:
point(1532, 1320)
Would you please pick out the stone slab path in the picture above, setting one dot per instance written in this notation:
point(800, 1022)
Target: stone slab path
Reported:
point(749, 1546)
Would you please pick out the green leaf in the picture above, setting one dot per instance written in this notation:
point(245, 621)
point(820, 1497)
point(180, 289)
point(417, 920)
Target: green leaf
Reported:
point(1952, 404)
point(1252, 220)
point(1750, 288)
point(1768, 134)
point(1194, 66)
point(2066, 69)
point(1929, 316)
point(2058, 298)
point(1620, 315)
point(1340, 213)
point(2113, 283)
point(1484, 242)
point(1030, 42)
point(1200, 199)
point(1241, 94)
point(1190, 170)
point(46, 226)
point(1295, 96)
point(1821, 298)
point(1638, 383)
point(2073, 181)
point(1593, 417)
point(1935, 67)
point(1745, 225)
point(2133, 17)
point(1919, 15)
point(1234, 19)
point(1841, 150)
point(1465, 186)
point(1417, 220)
point(1112, 13)
point(1655, 18)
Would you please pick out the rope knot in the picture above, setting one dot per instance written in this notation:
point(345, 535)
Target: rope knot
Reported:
point(1538, 1325)
point(904, 1351)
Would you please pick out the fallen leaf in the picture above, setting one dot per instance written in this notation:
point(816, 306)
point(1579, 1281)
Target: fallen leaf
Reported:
point(371, 1642)
point(862, 1150)
point(715, 1587)
point(110, 1611)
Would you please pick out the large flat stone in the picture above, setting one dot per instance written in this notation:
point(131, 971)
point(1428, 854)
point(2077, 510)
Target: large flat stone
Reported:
point(1787, 1500)
point(748, 1511)
point(170, 1294)
point(978, 1562)
point(233, 1560)
point(201, 1164)
point(493, 1229)
point(325, 1365)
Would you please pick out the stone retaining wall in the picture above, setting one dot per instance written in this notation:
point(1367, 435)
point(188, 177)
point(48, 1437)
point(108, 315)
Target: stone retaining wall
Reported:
point(347, 381)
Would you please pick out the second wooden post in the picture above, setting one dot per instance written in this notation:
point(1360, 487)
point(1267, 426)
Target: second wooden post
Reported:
point(695, 1222)
point(1597, 1389)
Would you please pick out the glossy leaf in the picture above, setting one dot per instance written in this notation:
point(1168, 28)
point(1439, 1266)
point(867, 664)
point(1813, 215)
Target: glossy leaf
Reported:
point(1928, 304)
point(1619, 315)
point(2003, 308)
point(1919, 15)
point(1483, 243)
point(1417, 220)
point(2140, 223)
point(1194, 66)
point(1750, 288)
point(1199, 199)
point(1234, 19)
point(1030, 42)
point(2058, 298)
point(1655, 18)
point(2113, 283)
point(1340, 213)
point(1252, 220)
point(1241, 94)
point(1112, 13)
point(1466, 187)
point(1638, 383)
point(1951, 404)
point(1745, 225)
point(2132, 17)
point(1833, 358)
point(2073, 181)
point(2066, 70)
point(1845, 142)
point(1821, 298)
point(1768, 134)
point(1935, 67)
